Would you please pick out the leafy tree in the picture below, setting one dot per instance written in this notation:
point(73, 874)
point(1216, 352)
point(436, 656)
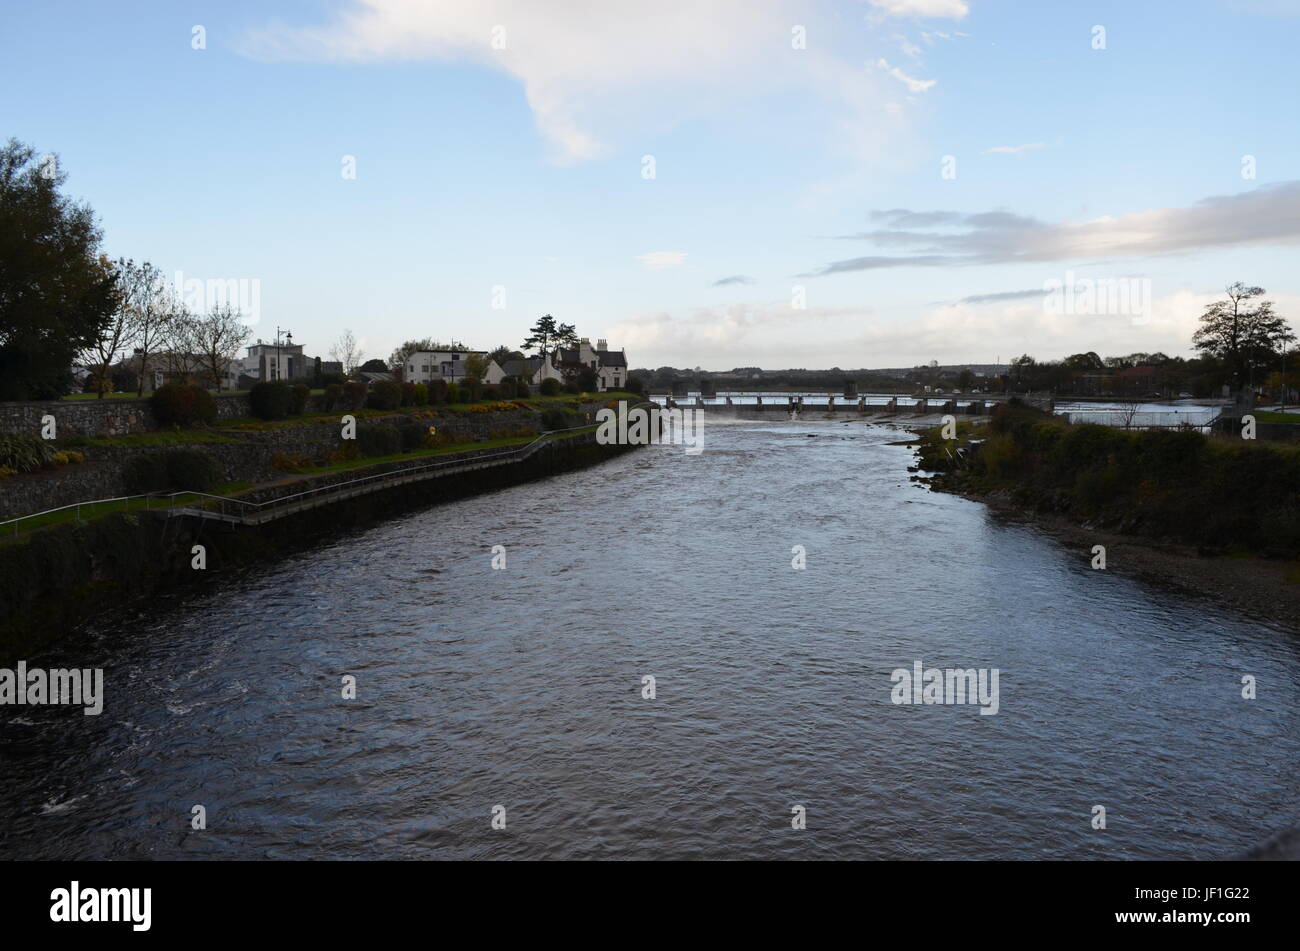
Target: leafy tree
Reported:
point(56, 293)
point(375, 365)
point(1245, 336)
point(547, 334)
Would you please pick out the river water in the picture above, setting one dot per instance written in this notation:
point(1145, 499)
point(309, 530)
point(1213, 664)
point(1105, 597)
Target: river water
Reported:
point(522, 687)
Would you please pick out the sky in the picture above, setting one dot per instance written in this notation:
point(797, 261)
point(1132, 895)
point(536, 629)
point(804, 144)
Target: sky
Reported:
point(775, 183)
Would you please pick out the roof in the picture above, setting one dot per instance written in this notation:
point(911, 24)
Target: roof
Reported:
point(521, 367)
point(612, 358)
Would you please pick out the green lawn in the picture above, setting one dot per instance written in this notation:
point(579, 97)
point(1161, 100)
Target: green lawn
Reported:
point(91, 510)
point(1266, 417)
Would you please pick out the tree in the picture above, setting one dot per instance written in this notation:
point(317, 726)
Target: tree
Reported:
point(152, 306)
point(476, 366)
point(503, 353)
point(115, 335)
point(179, 346)
point(546, 334)
point(1244, 336)
point(217, 338)
point(56, 293)
point(398, 358)
point(374, 366)
point(346, 352)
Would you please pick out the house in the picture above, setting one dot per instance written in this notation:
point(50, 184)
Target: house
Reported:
point(277, 361)
point(533, 369)
point(425, 366)
point(610, 366)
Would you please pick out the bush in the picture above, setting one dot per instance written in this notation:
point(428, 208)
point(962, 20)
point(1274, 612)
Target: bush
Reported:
point(521, 388)
point(384, 394)
point(438, 391)
point(408, 393)
point(453, 393)
point(379, 440)
point(270, 399)
point(300, 394)
point(421, 395)
point(414, 436)
point(186, 470)
point(333, 395)
point(354, 395)
point(180, 404)
point(572, 387)
point(25, 453)
point(549, 387)
point(560, 419)
point(635, 385)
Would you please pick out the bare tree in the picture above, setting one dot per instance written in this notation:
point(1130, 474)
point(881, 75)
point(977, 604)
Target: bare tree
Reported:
point(346, 352)
point(181, 344)
point(116, 335)
point(217, 337)
point(1128, 412)
point(151, 309)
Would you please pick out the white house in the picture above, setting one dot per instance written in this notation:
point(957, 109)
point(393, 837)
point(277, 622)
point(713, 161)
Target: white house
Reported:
point(610, 366)
point(532, 369)
point(425, 366)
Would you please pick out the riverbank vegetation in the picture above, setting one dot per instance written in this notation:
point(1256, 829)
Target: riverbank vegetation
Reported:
point(1223, 494)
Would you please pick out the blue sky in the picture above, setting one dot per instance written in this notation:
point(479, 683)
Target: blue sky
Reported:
point(522, 167)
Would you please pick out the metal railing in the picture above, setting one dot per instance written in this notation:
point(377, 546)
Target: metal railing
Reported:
point(257, 508)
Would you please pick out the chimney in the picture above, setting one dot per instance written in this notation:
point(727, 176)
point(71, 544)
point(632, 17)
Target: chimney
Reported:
point(601, 346)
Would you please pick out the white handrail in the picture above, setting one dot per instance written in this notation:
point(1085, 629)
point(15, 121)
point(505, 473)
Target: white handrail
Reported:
point(171, 497)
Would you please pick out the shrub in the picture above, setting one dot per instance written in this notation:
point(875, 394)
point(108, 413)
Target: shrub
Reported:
point(354, 394)
point(180, 469)
point(181, 404)
point(270, 399)
point(421, 394)
point(438, 391)
point(292, 460)
point(453, 393)
point(24, 453)
point(560, 419)
point(415, 436)
point(635, 385)
point(572, 387)
point(384, 394)
point(549, 387)
point(333, 395)
point(408, 394)
point(492, 393)
point(300, 394)
point(379, 440)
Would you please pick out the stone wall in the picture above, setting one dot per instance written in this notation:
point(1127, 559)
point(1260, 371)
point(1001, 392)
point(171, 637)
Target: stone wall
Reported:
point(244, 455)
point(91, 418)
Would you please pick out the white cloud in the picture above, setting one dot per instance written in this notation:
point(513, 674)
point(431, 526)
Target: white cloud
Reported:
point(951, 9)
point(1015, 149)
point(597, 75)
point(914, 85)
point(659, 260)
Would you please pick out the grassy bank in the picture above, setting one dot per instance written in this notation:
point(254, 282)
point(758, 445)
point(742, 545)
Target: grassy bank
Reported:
point(53, 580)
point(1221, 494)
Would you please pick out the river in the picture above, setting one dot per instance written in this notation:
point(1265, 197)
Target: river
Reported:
point(522, 687)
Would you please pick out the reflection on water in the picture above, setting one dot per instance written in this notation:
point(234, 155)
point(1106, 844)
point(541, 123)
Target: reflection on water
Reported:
point(522, 687)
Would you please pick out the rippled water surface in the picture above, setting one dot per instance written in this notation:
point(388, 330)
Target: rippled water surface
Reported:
point(522, 687)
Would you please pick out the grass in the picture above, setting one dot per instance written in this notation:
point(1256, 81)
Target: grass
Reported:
point(1265, 416)
point(349, 464)
point(92, 510)
point(174, 437)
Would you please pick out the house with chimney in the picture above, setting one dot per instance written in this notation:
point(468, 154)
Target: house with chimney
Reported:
point(609, 366)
